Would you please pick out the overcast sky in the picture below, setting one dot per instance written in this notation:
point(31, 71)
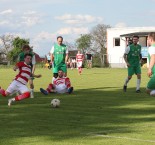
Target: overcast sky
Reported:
point(42, 21)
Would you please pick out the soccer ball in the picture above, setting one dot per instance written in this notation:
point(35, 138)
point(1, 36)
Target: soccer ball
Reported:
point(55, 103)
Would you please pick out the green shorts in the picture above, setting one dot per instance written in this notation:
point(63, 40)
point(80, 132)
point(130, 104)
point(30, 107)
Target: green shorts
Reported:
point(151, 83)
point(134, 70)
point(62, 67)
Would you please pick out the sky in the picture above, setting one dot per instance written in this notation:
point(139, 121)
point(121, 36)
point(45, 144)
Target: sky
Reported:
point(41, 21)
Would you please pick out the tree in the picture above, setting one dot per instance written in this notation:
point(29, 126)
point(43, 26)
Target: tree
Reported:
point(99, 40)
point(84, 42)
point(18, 43)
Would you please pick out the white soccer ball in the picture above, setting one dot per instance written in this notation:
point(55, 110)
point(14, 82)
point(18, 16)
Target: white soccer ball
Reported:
point(55, 103)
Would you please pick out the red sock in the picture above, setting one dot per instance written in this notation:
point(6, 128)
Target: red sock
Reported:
point(2, 92)
point(49, 88)
point(22, 96)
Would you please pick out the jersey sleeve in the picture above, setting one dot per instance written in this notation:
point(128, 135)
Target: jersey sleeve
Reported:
point(66, 50)
point(52, 50)
point(127, 49)
point(151, 50)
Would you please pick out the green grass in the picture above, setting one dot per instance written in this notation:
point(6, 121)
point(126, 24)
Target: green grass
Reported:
point(97, 113)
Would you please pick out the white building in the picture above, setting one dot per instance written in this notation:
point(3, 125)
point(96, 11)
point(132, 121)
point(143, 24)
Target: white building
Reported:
point(119, 38)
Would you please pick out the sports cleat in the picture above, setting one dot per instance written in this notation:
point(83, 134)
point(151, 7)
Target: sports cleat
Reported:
point(124, 88)
point(138, 91)
point(70, 90)
point(10, 102)
point(43, 91)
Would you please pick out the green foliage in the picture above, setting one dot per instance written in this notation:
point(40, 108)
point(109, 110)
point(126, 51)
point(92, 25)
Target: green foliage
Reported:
point(18, 43)
point(84, 42)
point(97, 113)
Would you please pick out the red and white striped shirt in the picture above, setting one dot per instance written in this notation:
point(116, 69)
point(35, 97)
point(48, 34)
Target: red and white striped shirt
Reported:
point(24, 72)
point(79, 57)
point(61, 84)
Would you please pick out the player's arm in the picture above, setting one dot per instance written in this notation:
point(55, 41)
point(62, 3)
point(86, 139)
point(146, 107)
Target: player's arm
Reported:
point(152, 63)
point(66, 58)
point(51, 54)
point(16, 66)
point(36, 76)
point(33, 63)
point(125, 56)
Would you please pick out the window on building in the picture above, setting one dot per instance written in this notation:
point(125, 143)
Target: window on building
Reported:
point(116, 41)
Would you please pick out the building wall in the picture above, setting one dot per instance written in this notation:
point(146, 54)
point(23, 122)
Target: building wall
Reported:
point(115, 53)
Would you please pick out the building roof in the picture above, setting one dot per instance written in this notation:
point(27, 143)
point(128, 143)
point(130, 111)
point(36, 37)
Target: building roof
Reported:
point(140, 34)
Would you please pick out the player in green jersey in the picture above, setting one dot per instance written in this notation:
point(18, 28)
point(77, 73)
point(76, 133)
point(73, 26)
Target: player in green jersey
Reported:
point(151, 69)
point(26, 49)
point(59, 57)
point(133, 59)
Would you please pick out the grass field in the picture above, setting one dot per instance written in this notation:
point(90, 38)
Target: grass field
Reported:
point(97, 113)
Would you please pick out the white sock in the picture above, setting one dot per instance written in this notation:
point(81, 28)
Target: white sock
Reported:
point(152, 93)
point(138, 84)
point(32, 91)
point(126, 81)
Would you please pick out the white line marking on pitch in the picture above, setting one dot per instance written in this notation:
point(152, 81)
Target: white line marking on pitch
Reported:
point(120, 137)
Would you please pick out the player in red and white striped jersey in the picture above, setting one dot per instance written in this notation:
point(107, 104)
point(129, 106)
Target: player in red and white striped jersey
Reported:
point(60, 85)
point(20, 81)
point(79, 60)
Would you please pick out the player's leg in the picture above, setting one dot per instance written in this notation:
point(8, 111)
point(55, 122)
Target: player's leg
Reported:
point(10, 90)
point(68, 85)
point(151, 86)
point(31, 87)
point(24, 93)
point(138, 72)
point(50, 89)
point(130, 73)
point(64, 69)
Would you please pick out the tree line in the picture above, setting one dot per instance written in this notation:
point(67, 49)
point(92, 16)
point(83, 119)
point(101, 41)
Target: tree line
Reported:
point(93, 42)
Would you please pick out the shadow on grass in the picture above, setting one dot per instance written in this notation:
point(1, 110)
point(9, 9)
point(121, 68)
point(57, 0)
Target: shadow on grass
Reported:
point(87, 111)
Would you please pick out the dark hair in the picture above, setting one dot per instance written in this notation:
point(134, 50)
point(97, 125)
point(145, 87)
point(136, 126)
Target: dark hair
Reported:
point(152, 35)
point(26, 46)
point(135, 36)
point(27, 54)
point(59, 37)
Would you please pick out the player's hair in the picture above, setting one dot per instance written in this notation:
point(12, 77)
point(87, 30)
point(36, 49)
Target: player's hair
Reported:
point(135, 36)
point(27, 54)
point(26, 46)
point(152, 35)
point(59, 37)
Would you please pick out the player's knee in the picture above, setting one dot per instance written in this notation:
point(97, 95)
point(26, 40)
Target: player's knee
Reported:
point(31, 86)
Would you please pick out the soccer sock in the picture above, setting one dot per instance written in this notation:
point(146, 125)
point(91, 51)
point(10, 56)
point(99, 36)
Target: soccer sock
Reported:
point(50, 86)
point(138, 84)
point(126, 81)
point(22, 96)
point(32, 91)
point(152, 93)
point(2, 92)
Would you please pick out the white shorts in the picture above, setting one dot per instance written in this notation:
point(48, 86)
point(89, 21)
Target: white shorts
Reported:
point(16, 86)
point(61, 88)
point(79, 64)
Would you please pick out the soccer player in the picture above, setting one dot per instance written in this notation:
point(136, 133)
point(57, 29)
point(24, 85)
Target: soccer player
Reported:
point(151, 69)
point(20, 81)
point(133, 59)
point(26, 49)
point(59, 57)
point(79, 60)
point(89, 60)
point(60, 85)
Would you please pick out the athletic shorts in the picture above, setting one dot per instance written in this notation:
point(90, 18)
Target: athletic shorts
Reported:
point(134, 70)
point(16, 86)
point(79, 64)
point(62, 67)
point(151, 83)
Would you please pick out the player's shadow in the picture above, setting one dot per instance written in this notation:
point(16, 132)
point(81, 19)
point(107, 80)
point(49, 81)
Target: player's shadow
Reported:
point(86, 112)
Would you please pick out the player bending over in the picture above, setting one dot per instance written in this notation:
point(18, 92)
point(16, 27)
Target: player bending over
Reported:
point(20, 81)
point(60, 85)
